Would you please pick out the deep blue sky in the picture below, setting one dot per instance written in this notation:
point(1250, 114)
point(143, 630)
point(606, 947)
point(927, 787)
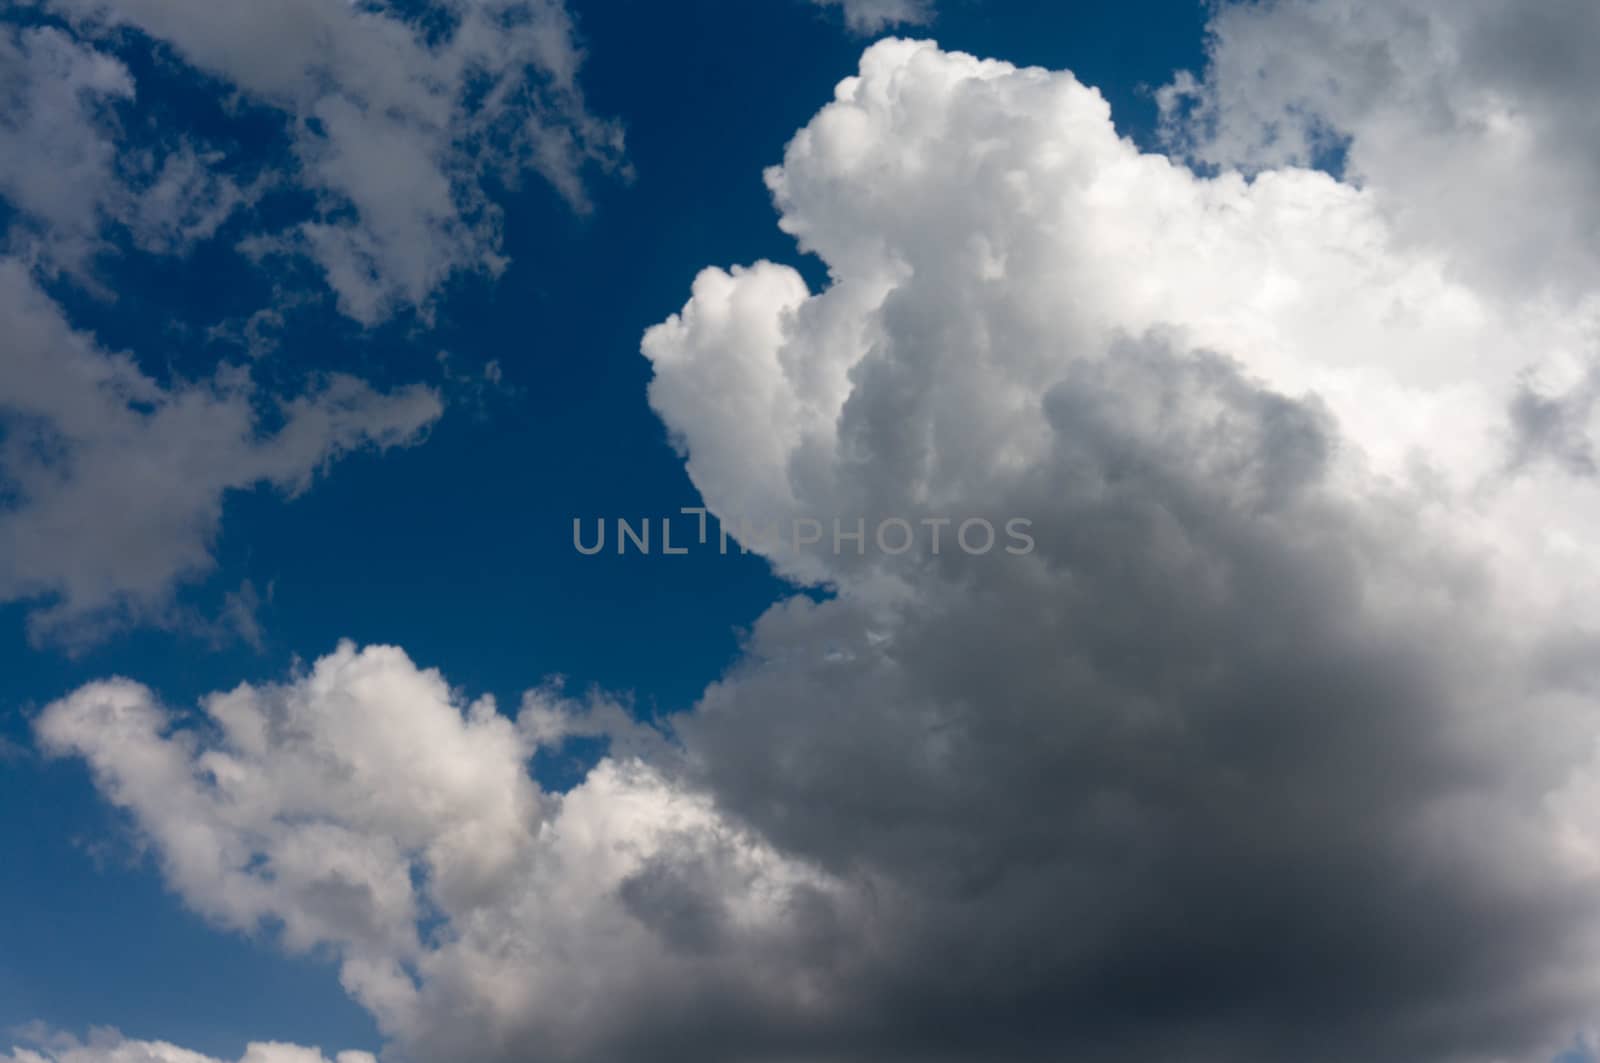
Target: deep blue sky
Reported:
point(459, 549)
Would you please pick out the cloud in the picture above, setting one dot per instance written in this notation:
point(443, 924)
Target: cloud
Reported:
point(108, 1046)
point(1279, 745)
point(61, 168)
point(1188, 772)
point(56, 161)
point(400, 123)
point(111, 484)
point(1469, 122)
point(875, 16)
point(363, 806)
point(400, 120)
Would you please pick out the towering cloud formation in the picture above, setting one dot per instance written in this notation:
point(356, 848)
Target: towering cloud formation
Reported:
point(1282, 673)
point(1280, 745)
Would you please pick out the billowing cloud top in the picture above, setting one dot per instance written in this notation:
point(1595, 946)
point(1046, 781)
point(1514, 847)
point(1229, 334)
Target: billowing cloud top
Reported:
point(1279, 745)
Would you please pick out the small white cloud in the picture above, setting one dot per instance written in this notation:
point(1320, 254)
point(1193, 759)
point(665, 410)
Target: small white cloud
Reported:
point(109, 1046)
point(111, 484)
point(874, 16)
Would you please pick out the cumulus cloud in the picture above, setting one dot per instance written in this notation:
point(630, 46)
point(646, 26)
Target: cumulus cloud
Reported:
point(400, 120)
point(111, 484)
point(1296, 658)
point(363, 806)
point(109, 1046)
point(1279, 745)
point(874, 16)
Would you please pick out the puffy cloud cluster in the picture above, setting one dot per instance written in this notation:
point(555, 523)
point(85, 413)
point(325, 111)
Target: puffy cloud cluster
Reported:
point(1280, 744)
point(106, 1046)
point(398, 119)
point(994, 231)
point(111, 483)
point(362, 806)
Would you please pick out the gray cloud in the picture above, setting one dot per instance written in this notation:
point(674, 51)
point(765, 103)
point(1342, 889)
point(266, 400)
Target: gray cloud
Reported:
point(1556, 427)
point(61, 165)
point(1468, 121)
point(1183, 784)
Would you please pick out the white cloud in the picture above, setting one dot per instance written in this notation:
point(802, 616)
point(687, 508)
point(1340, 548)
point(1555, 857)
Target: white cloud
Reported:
point(111, 484)
point(874, 16)
point(1054, 239)
point(398, 126)
point(108, 1046)
point(361, 803)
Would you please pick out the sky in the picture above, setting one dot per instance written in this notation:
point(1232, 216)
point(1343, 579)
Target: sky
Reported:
point(1261, 337)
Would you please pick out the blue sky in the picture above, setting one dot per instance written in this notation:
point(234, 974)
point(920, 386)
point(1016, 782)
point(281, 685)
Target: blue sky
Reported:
point(455, 544)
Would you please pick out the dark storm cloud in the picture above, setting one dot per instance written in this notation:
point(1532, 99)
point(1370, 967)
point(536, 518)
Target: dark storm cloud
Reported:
point(1174, 787)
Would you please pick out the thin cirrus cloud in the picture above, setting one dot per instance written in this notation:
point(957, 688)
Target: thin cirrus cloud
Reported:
point(112, 483)
point(1279, 745)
